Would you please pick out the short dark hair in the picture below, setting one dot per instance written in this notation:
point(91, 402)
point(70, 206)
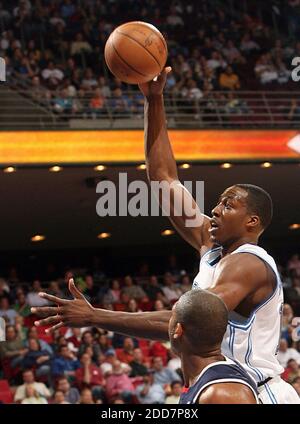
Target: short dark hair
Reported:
point(259, 202)
point(203, 316)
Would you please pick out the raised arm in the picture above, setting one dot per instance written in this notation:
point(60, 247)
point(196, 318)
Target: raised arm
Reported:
point(161, 166)
point(80, 313)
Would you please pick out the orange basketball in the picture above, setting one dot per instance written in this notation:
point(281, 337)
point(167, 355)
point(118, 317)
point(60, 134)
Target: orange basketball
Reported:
point(136, 52)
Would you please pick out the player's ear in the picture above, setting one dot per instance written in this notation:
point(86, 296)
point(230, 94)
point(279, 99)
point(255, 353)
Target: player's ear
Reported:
point(253, 221)
point(178, 331)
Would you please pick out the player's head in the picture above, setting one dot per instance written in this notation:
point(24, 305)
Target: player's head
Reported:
point(243, 210)
point(198, 323)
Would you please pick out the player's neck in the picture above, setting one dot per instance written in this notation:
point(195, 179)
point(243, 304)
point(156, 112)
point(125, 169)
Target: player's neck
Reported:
point(230, 247)
point(192, 365)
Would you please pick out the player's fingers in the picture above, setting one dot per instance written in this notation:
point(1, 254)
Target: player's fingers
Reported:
point(74, 290)
point(47, 321)
point(54, 299)
point(54, 327)
point(45, 311)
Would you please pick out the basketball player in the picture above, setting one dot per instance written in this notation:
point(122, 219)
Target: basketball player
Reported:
point(232, 266)
point(209, 376)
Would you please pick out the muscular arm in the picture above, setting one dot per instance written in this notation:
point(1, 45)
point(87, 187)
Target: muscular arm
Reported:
point(243, 281)
point(227, 393)
point(161, 166)
point(80, 313)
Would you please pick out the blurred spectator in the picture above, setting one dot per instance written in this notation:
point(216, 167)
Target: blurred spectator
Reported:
point(37, 358)
point(294, 262)
point(90, 291)
point(292, 371)
point(86, 397)
point(176, 389)
point(113, 294)
point(33, 397)
point(59, 398)
point(149, 392)
point(12, 349)
point(65, 363)
point(163, 375)
point(71, 394)
point(229, 80)
point(89, 375)
point(6, 312)
point(286, 353)
point(132, 290)
point(118, 383)
point(137, 364)
point(171, 291)
point(33, 298)
point(88, 340)
point(33, 334)
point(28, 380)
point(21, 306)
point(127, 353)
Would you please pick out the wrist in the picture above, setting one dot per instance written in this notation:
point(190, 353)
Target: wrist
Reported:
point(154, 97)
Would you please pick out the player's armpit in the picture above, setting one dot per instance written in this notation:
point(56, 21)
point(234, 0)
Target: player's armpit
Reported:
point(245, 279)
point(227, 393)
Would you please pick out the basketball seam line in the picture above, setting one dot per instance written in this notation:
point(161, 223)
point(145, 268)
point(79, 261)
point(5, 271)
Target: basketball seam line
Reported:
point(140, 44)
point(153, 32)
point(126, 63)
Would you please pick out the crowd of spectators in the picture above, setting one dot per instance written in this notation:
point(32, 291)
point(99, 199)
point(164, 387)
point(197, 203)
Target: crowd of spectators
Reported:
point(90, 365)
point(56, 48)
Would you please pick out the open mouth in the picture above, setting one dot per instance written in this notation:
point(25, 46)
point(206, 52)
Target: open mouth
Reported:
point(213, 226)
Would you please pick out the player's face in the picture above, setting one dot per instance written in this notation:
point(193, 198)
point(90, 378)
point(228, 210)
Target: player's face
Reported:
point(229, 217)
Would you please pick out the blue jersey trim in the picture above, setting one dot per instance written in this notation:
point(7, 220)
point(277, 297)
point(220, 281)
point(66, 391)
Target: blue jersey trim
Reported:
point(271, 394)
point(209, 251)
point(247, 359)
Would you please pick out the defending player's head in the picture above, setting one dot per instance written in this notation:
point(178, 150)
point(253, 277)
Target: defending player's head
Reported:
point(198, 323)
point(243, 211)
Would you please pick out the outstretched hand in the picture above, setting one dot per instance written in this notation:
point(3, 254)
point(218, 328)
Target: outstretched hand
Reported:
point(73, 313)
point(155, 87)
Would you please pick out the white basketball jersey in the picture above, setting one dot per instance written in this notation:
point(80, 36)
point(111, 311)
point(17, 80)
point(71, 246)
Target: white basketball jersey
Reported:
point(252, 341)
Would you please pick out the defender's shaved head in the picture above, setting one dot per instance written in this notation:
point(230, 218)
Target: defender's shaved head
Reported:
point(203, 317)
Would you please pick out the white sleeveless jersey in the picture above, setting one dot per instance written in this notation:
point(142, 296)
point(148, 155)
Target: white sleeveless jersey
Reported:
point(252, 341)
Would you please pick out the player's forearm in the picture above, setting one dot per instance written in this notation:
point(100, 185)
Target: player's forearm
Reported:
point(160, 160)
point(146, 325)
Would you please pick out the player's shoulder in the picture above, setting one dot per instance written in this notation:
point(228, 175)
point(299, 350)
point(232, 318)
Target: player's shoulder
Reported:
point(242, 262)
point(227, 393)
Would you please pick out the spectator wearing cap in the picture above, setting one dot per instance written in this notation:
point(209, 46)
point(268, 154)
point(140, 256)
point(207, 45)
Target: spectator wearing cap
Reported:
point(106, 364)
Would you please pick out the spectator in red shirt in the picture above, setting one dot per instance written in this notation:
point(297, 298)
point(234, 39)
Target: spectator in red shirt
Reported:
point(90, 376)
point(126, 354)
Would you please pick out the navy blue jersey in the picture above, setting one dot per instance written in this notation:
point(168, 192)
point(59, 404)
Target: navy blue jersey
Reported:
point(227, 371)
